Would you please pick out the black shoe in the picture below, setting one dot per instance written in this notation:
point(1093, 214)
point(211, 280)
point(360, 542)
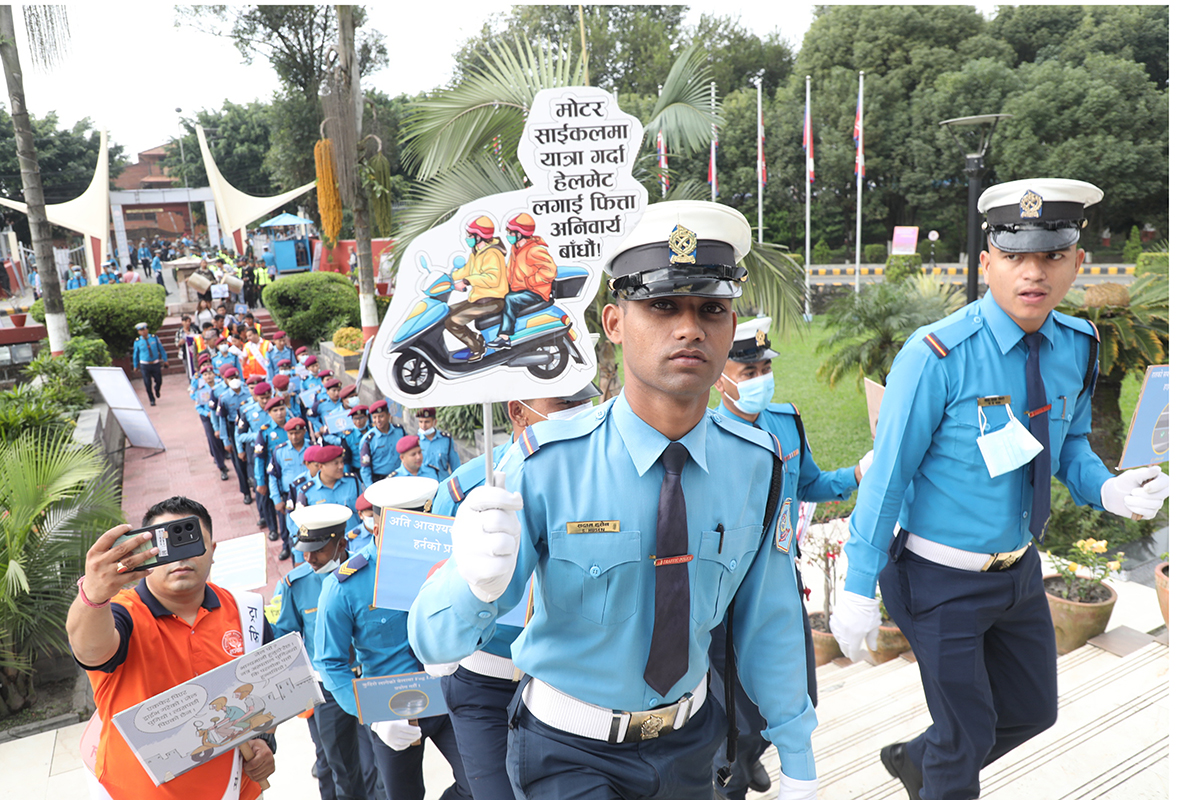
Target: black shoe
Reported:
point(158, 391)
point(262, 523)
point(224, 474)
point(247, 499)
point(273, 536)
point(285, 554)
point(896, 761)
point(471, 359)
point(499, 343)
point(760, 781)
point(152, 401)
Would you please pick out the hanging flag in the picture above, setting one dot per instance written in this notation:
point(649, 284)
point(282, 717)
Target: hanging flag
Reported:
point(664, 179)
point(762, 147)
point(808, 145)
point(860, 166)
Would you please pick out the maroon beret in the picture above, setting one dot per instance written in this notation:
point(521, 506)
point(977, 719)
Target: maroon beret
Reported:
point(229, 372)
point(281, 381)
point(254, 380)
point(274, 401)
point(407, 443)
point(425, 413)
point(283, 362)
point(359, 409)
point(262, 389)
point(324, 373)
point(348, 391)
point(278, 335)
point(293, 423)
point(362, 503)
point(378, 405)
point(331, 382)
point(324, 455)
point(308, 362)
point(310, 453)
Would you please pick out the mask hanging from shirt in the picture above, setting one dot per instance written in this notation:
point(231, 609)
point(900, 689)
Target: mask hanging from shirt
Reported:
point(1009, 448)
point(754, 394)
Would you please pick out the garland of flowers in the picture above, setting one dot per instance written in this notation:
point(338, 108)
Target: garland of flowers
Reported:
point(329, 202)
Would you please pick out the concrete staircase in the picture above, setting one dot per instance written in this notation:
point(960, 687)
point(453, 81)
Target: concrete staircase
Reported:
point(170, 325)
point(1110, 741)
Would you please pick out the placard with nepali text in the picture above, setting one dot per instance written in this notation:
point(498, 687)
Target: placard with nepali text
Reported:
point(1149, 438)
point(414, 695)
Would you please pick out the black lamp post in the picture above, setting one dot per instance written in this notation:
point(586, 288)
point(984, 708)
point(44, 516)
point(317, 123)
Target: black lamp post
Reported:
point(983, 125)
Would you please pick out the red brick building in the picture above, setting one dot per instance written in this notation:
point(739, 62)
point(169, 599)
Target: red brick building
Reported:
point(152, 219)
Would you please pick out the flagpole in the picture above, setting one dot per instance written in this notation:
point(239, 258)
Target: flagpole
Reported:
point(712, 155)
point(762, 168)
point(858, 168)
point(808, 166)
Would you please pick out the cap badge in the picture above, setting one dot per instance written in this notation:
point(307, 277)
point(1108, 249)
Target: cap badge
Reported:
point(683, 246)
point(303, 530)
point(1031, 205)
point(760, 338)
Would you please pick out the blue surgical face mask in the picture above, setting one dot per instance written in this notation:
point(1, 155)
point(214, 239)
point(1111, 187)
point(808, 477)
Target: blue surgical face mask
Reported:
point(754, 394)
point(471, 240)
point(512, 238)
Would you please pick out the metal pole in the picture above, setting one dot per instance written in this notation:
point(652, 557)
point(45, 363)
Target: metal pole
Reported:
point(487, 443)
point(761, 163)
point(807, 200)
point(858, 216)
point(974, 170)
point(712, 146)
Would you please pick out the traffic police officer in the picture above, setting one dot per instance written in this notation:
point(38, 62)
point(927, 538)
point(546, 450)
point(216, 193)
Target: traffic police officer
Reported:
point(479, 689)
point(226, 357)
point(286, 463)
point(411, 459)
point(377, 452)
point(962, 577)
point(604, 507)
point(437, 449)
point(150, 357)
point(251, 418)
point(279, 352)
point(225, 408)
point(321, 539)
point(201, 392)
point(346, 620)
point(747, 386)
point(331, 484)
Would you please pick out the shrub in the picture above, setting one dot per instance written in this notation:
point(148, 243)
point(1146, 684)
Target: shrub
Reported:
point(88, 351)
point(25, 408)
point(1133, 246)
point(112, 311)
point(1153, 263)
point(1069, 523)
point(900, 268)
point(821, 253)
point(875, 253)
point(382, 303)
point(311, 306)
point(348, 338)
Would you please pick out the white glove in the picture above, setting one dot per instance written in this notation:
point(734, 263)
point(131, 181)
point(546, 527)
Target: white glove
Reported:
point(1136, 491)
point(855, 622)
point(486, 535)
point(441, 670)
point(865, 463)
point(397, 734)
point(796, 789)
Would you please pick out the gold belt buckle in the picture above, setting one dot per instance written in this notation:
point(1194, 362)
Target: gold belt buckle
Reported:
point(645, 725)
point(1002, 561)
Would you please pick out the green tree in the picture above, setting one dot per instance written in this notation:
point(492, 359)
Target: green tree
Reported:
point(55, 499)
point(239, 137)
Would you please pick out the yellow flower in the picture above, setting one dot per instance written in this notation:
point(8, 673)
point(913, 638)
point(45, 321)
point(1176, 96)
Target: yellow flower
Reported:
point(1100, 547)
point(1115, 566)
point(1081, 544)
point(1072, 566)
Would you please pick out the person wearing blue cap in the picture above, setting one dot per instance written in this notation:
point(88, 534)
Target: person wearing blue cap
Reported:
point(747, 387)
point(981, 408)
point(479, 689)
point(643, 540)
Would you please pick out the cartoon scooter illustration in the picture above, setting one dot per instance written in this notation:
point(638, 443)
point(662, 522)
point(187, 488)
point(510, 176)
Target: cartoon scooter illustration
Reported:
point(543, 340)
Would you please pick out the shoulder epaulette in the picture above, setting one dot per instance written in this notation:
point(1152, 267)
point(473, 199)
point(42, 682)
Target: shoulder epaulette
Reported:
point(551, 431)
point(353, 565)
point(784, 408)
point(297, 573)
point(455, 489)
point(1089, 329)
point(945, 335)
point(1081, 324)
point(750, 433)
point(264, 427)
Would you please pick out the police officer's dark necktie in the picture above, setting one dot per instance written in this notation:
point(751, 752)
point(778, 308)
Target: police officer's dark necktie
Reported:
point(1039, 426)
point(668, 661)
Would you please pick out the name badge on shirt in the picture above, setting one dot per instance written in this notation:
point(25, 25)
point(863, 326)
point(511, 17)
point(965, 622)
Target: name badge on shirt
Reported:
point(595, 526)
point(994, 400)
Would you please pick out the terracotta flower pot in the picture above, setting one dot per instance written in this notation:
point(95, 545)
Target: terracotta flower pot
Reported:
point(1075, 623)
point(1162, 585)
point(890, 644)
point(825, 647)
point(18, 320)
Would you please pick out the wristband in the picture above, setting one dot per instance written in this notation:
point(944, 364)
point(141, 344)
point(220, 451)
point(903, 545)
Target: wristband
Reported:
point(84, 597)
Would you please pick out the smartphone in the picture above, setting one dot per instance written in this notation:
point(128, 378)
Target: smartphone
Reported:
point(175, 540)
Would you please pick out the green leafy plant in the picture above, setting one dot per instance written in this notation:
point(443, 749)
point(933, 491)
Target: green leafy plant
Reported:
point(1084, 568)
point(62, 378)
point(1070, 522)
point(26, 408)
point(461, 422)
point(1153, 264)
point(56, 500)
point(348, 338)
point(901, 267)
point(112, 311)
point(311, 306)
point(1133, 246)
point(875, 253)
point(821, 254)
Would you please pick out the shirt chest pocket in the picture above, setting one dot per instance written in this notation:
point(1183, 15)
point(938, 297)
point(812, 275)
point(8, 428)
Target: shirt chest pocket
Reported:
point(594, 575)
point(385, 621)
point(962, 424)
point(722, 560)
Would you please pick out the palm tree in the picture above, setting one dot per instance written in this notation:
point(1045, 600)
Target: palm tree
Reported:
point(1134, 325)
point(451, 136)
point(56, 499)
point(47, 31)
point(870, 327)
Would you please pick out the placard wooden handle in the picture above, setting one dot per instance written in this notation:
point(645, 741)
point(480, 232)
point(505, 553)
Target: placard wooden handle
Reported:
point(248, 753)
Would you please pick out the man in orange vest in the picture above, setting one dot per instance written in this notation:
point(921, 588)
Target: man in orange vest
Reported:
point(254, 354)
point(531, 273)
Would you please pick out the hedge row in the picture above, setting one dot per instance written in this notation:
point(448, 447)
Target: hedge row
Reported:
point(113, 310)
point(1159, 263)
point(311, 306)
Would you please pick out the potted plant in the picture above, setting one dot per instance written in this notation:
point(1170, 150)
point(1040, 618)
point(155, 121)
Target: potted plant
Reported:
point(1162, 586)
point(1081, 603)
point(821, 547)
point(891, 641)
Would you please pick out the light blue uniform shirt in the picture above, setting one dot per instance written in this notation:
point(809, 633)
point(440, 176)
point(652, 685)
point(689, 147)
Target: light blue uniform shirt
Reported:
point(377, 453)
point(347, 619)
point(148, 349)
point(300, 590)
point(929, 473)
point(593, 615)
point(439, 453)
point(285, 465)
point(345, 492)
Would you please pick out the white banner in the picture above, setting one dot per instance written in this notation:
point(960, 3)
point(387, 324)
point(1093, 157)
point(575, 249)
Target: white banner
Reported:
point(118, 393)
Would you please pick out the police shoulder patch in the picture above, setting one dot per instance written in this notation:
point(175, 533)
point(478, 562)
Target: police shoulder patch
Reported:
point(296, 574)
point(944, 335)
point(353, 565)
point(455, 489)
point(784, 408)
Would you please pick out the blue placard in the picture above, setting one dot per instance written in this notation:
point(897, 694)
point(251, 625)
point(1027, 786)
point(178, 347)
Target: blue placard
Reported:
point(338, 420)
point(410, 544)
point(414, 695)
point(1149, 438)
point(203, 394)
point(308, 395)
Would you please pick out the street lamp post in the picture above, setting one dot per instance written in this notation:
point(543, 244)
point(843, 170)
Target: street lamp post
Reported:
point(984, 125)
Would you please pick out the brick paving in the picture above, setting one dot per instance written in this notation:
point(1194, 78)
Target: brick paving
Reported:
point(186, 468)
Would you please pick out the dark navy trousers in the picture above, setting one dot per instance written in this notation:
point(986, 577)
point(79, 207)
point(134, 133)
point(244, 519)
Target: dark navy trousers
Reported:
point(479, 710)
point(545, 763)
point(985, 645)
point(401, 770)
